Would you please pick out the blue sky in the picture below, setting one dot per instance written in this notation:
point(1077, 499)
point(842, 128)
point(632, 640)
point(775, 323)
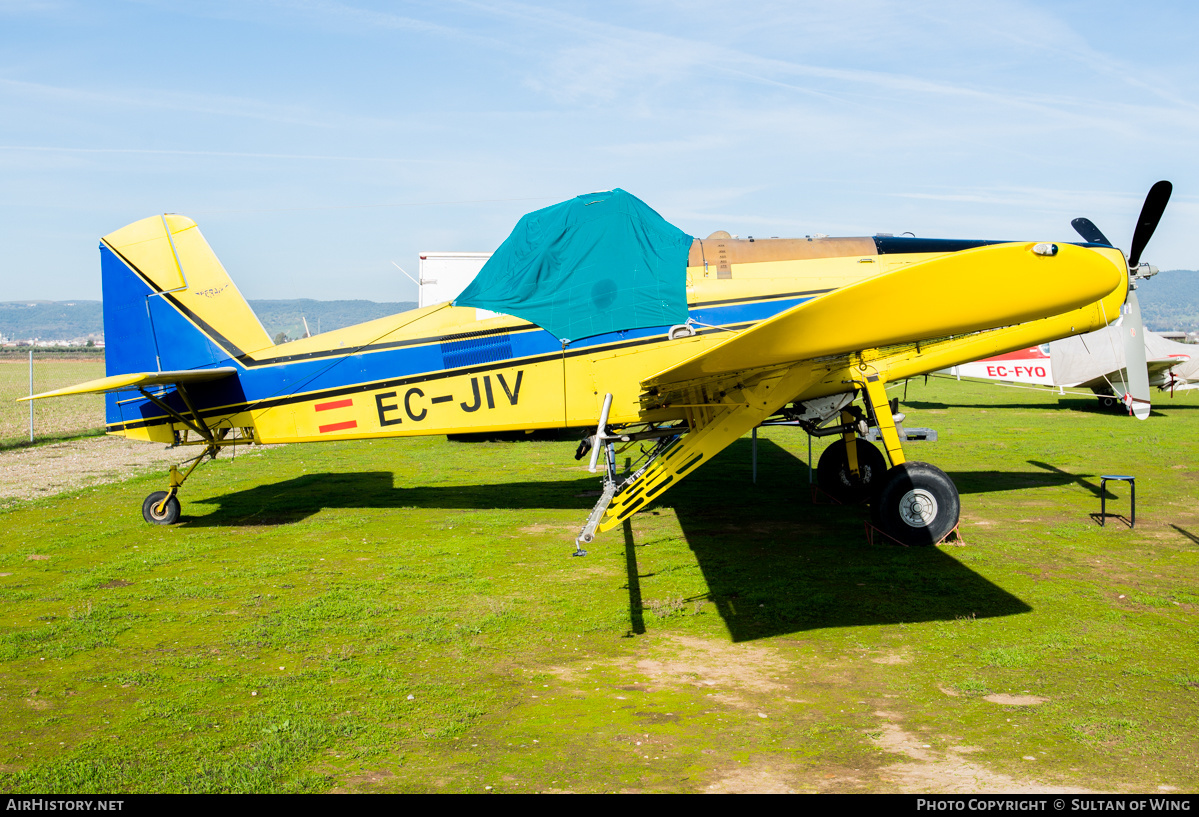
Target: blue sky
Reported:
point(317, 142)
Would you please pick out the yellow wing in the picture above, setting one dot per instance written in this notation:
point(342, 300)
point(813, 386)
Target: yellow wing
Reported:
point(731, 388)
point(967, 291)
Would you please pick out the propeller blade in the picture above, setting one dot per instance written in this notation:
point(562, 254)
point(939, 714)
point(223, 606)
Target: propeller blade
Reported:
point(1151, 214)
point(1090, 233)
point(1135, 368)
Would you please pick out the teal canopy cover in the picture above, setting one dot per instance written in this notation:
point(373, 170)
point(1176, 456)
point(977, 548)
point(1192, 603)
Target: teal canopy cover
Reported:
point(603, 262)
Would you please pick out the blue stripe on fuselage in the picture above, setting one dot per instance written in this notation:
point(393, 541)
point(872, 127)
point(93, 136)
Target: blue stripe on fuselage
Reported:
point(362, 370)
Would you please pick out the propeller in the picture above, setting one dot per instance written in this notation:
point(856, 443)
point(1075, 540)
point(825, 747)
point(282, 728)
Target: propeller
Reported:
point(1136, 370)
point(1151, 214)
point(1085, 228)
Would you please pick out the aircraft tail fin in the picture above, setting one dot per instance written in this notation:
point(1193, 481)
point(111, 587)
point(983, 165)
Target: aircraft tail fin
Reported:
point(168, 302)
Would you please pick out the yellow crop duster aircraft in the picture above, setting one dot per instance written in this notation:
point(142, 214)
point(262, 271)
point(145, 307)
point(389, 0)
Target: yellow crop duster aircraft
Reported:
point(611, 318)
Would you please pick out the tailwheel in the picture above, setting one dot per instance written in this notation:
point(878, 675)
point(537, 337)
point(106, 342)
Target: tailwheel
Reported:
point(917, 504)
point(161, 508)
point(834, 478)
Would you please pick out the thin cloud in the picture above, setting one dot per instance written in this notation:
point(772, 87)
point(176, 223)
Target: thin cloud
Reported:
point(1030, 198)
point(217, 153)
point(164, 100)
point(615, 61)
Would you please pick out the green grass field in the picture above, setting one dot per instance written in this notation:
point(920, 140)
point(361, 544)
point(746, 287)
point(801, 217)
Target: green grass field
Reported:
point(52, 419)
point(406, 616)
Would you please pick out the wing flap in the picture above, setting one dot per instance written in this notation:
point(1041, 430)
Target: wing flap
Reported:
point(134, 380)
point(959, 293)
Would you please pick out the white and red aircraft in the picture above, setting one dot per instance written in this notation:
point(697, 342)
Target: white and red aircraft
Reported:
point(1094, 361)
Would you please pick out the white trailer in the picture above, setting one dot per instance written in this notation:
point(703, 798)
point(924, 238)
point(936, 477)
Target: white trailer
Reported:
point(443, 275)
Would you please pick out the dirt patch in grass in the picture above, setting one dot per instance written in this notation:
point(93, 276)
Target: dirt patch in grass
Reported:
point(754, 780)
point(1015, 700)
point(533, 530)
point(707, 663)
point(929, 770)
point(46, 470)
point(366, 782)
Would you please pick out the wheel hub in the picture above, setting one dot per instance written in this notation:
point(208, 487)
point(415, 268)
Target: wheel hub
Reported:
point(865, 476)
point(918, 508)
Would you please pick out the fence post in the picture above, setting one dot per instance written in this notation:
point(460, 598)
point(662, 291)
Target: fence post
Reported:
point(31, 395)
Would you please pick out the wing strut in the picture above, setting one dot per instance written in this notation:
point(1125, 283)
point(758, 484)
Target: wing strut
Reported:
point(199, 426)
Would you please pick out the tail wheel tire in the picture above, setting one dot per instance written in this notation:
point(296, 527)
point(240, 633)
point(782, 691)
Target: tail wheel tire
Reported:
point(167, 515)
point(917, 504)
point(834, 478)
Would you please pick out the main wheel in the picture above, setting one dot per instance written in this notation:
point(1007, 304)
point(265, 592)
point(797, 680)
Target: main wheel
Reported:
point(168, 515)
point(917, 504)
point(833, 477)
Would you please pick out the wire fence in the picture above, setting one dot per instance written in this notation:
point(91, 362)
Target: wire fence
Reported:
point(50, 419)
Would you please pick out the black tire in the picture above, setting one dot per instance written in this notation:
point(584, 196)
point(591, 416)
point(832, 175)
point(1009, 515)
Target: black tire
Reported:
point(917, 504)
point(833, 477)
point(169, 514)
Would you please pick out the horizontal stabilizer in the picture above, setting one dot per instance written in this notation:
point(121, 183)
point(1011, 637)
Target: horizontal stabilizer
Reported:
point(135, 380)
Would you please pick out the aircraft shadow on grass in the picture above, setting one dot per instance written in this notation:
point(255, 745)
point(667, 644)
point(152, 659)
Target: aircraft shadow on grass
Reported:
point(1046, 476)
point(773, 562)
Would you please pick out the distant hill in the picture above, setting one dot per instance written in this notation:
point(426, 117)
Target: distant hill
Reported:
point(80, 320)
point(322, 316)
point(51, 320)
point(1170, 301)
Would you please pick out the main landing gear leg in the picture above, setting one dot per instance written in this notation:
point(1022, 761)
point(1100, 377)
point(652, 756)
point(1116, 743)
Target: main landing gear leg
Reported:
point(916, 503)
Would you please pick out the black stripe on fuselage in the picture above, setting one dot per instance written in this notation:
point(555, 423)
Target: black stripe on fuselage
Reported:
point(810, 293)
point(899, 245)
point(391, 344)
point(423, 377)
